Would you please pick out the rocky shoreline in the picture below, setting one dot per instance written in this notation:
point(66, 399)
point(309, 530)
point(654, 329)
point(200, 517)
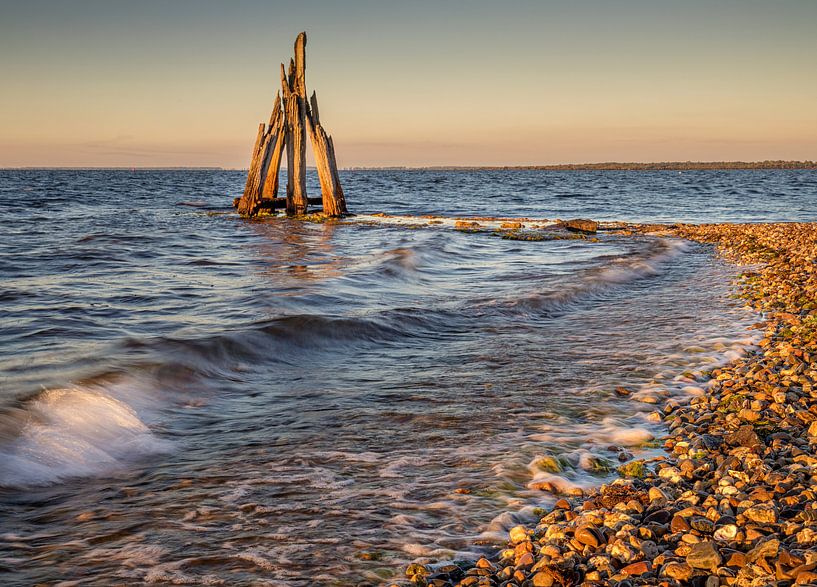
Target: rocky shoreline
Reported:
point(735, 500)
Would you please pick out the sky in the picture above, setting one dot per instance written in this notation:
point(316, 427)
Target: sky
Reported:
point(415, 83)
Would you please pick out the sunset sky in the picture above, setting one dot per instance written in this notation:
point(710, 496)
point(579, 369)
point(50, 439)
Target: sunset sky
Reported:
point(176, 83)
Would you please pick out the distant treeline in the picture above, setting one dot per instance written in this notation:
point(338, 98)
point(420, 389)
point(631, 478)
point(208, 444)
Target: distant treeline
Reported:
point(613, 166)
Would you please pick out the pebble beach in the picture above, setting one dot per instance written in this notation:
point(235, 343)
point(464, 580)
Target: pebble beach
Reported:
point(732, 500)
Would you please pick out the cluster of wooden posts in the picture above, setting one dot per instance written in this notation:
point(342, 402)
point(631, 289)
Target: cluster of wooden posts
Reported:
point(292, 116)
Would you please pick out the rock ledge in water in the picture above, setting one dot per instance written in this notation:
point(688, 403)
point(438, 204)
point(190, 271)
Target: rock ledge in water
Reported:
point(580, 225)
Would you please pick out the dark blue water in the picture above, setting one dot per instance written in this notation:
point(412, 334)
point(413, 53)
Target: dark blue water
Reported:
point(189, 397)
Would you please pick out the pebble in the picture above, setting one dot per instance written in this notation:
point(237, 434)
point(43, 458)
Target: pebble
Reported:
point(702, 524)
point(704, 555)
point(638, 568)
point(542, 580)
point(762, 514)
point(518, 534)
point(675, 570)
point(726, 533)
point(588, 536)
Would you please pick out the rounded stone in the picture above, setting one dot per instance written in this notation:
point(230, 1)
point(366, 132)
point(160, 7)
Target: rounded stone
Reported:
point(588, 536)
point(542, 579)
point(704, 555)
point(677, 571)
point(518, 534)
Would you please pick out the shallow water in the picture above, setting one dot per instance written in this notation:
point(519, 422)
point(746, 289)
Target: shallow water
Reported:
point(188, 397)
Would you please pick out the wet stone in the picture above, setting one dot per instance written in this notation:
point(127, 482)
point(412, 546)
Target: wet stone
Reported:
point(589, 537)
point(676, 570)
point(638, 568)
point(702, 524)
point(766, 549)
point(726, 533)
point(744, 436)
point(582, 225)
point(762, 514)
point(658, 517)
point(518, 534)
point(704, 555)
point(679, 524)
point(711, 442)
point(542, 579)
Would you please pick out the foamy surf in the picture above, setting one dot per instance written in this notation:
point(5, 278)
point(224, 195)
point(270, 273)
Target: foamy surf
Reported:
point(74, 431)
point(469, 222)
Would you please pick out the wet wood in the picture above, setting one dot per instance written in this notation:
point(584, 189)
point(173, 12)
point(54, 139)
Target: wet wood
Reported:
point(340, 197)
point(249, 199)
point(294, 115)
point(298, 84)
point(289, 122)
point(276, 125)
point(334, 203)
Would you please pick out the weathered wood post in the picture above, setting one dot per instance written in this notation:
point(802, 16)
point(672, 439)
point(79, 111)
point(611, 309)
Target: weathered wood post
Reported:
point(289, 122)
point(268, 143)
point(295, 141)
point(245, 205)
point(276, 124)
point(334, 202)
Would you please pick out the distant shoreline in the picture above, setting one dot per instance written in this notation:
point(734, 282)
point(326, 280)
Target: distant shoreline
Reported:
point(613, 166)
point(608, 166)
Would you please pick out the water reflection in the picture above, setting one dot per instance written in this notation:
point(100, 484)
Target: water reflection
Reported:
point(298, 250)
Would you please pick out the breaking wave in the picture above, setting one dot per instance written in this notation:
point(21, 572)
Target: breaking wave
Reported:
point(73, 432)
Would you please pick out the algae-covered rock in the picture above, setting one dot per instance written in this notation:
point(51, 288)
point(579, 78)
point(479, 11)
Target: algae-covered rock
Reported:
point(634, 469)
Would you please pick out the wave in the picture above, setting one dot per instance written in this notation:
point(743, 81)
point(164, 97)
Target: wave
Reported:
point(287, 338)
point(74, 431)
point(616, 271)
point(100, 427)
point(96, 428)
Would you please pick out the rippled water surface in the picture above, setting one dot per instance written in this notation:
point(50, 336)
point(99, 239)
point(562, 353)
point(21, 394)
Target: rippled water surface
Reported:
point(188, 397)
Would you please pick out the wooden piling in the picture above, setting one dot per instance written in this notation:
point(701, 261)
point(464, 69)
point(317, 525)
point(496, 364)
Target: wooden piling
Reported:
point(289, 122)
point(298, 85)
point(248, 202)
point(276, 125)
point(294, 111)
point(333, 200)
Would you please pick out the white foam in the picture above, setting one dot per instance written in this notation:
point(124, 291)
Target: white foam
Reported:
point(559, 483)
point(259, 558)
point(450, 222)
point(497, 529)
point(354, 457)
point(625, 435)
point(631, 268)
point(420, 550)
point(75, 432)
point(693, 390)
point(393, 469)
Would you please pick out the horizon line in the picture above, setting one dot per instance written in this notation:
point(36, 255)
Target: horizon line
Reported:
point(611, 165)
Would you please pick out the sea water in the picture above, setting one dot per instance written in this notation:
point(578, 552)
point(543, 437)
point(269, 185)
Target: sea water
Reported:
point(188, 397)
